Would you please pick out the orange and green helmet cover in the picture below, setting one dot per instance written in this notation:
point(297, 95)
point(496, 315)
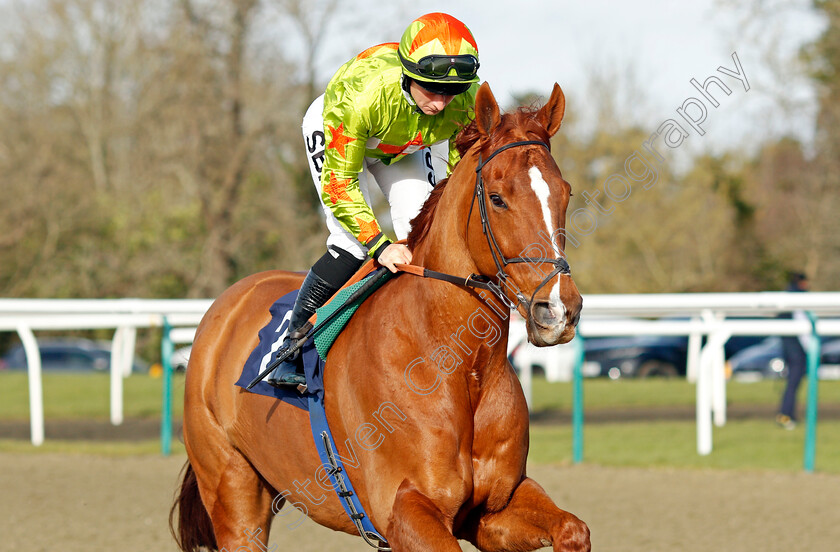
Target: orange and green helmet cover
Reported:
point(436, 47)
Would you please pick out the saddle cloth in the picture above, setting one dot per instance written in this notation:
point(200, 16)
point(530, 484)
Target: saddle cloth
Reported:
point(313, 352)
point(271, 338)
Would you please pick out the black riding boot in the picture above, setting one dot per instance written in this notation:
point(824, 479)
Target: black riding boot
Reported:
point(314, 292)
point(327, 276)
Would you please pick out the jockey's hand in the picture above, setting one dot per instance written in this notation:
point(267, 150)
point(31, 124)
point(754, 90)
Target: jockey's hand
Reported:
point(395, 253)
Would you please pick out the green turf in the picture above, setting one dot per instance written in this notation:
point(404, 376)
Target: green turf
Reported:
point(741, 444)
point(73, 396)
point(88, 395)
point(604, 393)
point(99, 448)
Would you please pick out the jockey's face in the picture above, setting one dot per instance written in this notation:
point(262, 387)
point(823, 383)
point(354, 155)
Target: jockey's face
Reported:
point(428, 102)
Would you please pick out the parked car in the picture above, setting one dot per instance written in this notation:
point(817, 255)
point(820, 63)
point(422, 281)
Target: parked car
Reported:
point(636, 356)
point(830, 359)
point(761, 361)
point(765, 360)
point(68, 355)
point(650, 356)
point(613, 357)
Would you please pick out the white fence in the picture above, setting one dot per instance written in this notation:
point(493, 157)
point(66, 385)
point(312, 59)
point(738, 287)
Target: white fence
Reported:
point(25, 316)
point(702, 315)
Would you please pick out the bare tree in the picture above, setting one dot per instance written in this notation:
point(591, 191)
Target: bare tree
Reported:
point(136, 132)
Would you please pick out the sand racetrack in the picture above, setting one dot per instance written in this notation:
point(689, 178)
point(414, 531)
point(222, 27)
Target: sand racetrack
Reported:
point(74, 503)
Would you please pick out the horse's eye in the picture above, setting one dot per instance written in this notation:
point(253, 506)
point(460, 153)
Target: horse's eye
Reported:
point(497, 201)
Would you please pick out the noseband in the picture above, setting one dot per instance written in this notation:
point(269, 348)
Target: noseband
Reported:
point(561, 266)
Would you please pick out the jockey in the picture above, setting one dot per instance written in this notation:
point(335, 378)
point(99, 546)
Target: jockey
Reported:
point(379, 115)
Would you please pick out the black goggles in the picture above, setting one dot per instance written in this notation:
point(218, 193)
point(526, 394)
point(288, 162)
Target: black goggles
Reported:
point(438, 67)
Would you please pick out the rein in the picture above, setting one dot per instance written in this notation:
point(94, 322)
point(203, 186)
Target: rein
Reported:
point(473, 280)
point(561, 266)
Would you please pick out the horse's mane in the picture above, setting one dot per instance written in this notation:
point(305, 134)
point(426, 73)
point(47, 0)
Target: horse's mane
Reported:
point(469, 136)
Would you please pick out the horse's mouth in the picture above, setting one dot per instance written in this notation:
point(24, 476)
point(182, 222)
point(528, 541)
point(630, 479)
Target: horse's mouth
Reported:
point(551, 323)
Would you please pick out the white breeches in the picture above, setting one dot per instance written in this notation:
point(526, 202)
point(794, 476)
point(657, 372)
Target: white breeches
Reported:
point(405, 184)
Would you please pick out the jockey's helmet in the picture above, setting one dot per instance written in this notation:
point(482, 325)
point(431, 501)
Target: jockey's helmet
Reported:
point(440, 53)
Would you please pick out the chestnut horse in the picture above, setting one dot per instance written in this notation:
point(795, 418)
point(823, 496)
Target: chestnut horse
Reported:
point(419, 391)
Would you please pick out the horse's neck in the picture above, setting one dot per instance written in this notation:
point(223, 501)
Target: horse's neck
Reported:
point(446, 249)
point(445, 246)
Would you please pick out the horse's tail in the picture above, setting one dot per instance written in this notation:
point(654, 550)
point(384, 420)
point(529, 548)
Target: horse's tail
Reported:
point(192, 529)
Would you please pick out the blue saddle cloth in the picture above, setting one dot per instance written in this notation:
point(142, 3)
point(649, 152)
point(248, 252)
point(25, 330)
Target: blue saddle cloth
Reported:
point(271, 338)
point(335, 315)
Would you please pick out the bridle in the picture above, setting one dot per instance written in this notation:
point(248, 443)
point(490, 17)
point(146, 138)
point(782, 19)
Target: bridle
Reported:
point(561, 266)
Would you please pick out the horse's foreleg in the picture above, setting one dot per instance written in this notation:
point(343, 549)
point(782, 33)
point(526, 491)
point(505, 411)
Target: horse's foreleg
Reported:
point(530, 521)
point(417, 524)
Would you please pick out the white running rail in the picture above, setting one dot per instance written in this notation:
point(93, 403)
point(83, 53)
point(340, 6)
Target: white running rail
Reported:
point(695, 315)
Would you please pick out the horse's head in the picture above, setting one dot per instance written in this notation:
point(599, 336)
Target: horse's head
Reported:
point(505, 204)
point(524, 199)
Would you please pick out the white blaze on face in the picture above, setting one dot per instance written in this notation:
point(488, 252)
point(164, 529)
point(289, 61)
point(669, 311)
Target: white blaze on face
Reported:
point(540, 187)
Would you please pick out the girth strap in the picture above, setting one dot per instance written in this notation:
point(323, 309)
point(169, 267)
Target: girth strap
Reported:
point(338, 476)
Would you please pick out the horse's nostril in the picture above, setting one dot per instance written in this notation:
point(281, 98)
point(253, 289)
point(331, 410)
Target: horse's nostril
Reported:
point(543, 315)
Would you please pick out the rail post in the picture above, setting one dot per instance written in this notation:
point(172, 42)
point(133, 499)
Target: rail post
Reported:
point(577, 401)
point(166, 350)
point(36, 388)
point(813, 356)
point(116, 371)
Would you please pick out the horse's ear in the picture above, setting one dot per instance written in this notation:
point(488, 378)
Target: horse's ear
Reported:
point(486, 110)
point(551, 114)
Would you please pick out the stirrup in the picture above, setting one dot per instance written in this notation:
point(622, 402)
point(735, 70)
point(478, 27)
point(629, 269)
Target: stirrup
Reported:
point(286, 374)
point(291, 379)
point(275, 378)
